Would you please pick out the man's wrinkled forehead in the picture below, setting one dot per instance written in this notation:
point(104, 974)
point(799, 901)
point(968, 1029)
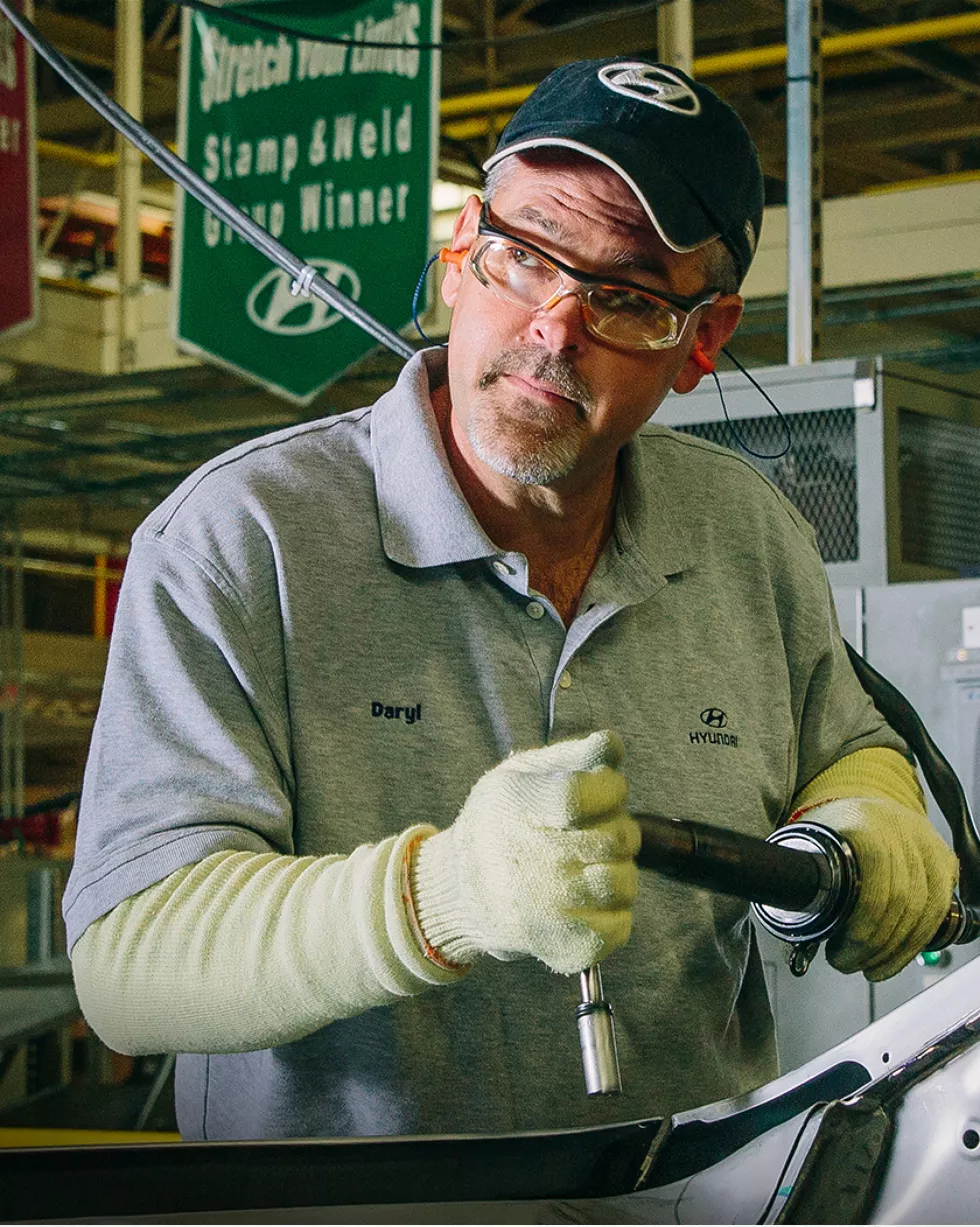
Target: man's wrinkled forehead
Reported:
point(540, 213)
point(642, 248)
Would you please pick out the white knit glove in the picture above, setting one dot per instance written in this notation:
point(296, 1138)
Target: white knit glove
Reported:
point(908, 875)
point(538, 862)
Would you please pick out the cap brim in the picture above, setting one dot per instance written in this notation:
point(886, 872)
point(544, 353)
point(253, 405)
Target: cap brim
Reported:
point(678, 216)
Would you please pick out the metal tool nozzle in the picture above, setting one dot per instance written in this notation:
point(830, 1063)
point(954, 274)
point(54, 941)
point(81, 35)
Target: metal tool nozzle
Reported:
point(597, 1036)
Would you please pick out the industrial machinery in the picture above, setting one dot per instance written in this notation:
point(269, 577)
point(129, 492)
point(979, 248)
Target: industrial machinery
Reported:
point(884, 461)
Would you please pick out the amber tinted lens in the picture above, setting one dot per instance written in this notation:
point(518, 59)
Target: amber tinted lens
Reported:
point(518, 275)
point(632, 320)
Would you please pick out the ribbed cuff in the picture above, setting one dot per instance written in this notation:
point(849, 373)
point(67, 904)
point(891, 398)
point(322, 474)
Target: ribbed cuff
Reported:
point(438, 905)
point(399, 912)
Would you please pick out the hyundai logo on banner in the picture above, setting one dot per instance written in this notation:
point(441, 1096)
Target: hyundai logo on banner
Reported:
point(272, 306)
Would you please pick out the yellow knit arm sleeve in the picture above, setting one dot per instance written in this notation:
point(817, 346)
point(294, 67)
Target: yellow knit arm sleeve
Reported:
point(247, 950)
point(876, 772)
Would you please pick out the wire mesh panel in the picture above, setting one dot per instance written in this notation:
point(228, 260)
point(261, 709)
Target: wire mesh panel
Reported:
point(818, 474)
point(939, 485)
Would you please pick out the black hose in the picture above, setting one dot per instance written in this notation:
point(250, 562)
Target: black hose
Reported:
point(768, 874)
point(940, 776)
point(728, 862)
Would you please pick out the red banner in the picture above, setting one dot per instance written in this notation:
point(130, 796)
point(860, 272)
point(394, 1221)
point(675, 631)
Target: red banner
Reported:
point(18, 287)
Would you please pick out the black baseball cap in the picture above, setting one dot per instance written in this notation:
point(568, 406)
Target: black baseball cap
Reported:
point(686, 154)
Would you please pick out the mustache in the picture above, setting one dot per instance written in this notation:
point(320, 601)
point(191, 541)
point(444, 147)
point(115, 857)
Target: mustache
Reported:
point(552, 369)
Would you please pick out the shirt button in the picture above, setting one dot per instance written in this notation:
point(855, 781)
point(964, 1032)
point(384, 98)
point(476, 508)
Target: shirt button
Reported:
point(565, 680)
point(501, 567)
point(535, 610)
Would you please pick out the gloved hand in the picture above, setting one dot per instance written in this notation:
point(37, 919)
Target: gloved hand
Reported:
point(908, 875)
point(538, 862)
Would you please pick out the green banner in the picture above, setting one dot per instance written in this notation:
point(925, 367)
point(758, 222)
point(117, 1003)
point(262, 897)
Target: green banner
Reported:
point(332, 149)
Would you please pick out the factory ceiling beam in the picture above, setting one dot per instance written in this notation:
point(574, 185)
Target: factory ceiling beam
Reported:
point(515, 22)
point(728, 24)
point(167, 27)
point(847, 171)
point(904, 34)
point(850, 174)
point(91, 43)
point(73, 117)
point(603, 36)
point(853, 122)
point(87, 42)
point(744, 84)
point(957, 71)
point(954, 121)
point(966, 130)
point(845, 104)
point(95, 159)
point(730, 62)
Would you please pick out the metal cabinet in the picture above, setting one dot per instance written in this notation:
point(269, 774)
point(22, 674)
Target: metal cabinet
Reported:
point(884, 463)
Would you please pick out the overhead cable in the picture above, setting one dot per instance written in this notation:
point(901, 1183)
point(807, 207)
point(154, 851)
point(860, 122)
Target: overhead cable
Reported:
point(460, 44)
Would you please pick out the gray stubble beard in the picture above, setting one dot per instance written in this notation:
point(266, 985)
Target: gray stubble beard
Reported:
point(544, 455)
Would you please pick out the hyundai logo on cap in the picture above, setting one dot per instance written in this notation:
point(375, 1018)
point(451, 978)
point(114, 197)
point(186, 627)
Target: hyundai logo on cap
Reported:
point(651, 83)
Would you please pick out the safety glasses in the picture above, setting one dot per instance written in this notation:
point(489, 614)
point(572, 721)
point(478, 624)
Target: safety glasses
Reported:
point(621, 314)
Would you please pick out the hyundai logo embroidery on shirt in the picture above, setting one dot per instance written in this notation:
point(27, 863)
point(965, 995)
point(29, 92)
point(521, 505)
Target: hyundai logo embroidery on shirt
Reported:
point(648, 83)
point(273, 307)
point(716, 720)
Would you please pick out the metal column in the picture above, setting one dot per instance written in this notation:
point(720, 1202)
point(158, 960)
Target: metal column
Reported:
point(804, 179)
point(11, 669)
point(490, 67)
point(129, 244)
point(675, 35)
point(40, 915)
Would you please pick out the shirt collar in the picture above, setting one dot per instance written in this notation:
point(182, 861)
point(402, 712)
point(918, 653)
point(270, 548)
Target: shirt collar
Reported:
point(425, 520)
point(650, 517)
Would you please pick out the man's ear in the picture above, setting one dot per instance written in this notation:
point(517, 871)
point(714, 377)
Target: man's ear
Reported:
point(713, 332)
point(464, 235)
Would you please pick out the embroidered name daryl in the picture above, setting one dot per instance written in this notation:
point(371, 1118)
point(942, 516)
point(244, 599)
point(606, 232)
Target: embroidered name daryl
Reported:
point(410, 714)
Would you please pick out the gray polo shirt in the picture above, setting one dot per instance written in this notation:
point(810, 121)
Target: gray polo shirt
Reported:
point(317, 646)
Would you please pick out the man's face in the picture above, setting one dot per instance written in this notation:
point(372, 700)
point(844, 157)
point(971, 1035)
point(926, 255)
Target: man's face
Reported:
point(535, 396)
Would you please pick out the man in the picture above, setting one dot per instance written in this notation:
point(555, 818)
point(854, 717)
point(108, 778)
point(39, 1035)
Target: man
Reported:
point(353, 803)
